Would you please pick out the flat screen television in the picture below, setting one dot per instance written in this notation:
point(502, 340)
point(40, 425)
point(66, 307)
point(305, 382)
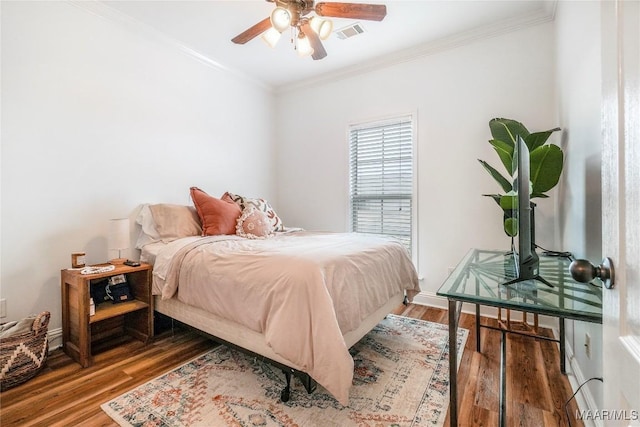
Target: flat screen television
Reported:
point(526, 259)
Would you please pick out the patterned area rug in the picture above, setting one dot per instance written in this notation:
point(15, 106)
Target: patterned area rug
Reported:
point(401, 378)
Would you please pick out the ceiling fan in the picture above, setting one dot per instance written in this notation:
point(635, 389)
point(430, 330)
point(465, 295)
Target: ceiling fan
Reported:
point(308, 30)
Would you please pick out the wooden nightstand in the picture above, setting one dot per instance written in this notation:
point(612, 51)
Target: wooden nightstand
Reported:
point(80, 330)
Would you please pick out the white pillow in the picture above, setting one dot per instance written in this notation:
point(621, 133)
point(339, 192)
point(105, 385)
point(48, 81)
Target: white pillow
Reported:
point(148, 232)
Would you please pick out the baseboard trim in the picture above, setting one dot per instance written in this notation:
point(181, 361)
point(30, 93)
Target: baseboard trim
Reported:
point(55, 339)
point(584, 398)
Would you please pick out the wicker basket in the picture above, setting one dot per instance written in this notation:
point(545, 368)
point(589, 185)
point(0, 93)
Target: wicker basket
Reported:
point(23, 355)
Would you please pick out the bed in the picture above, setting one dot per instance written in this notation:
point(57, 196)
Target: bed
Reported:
point(299, 299)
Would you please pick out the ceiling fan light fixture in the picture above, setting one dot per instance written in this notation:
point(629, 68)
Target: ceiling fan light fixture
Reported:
point(271, 37)
point(280, 18)
point(310, 23)
point(322, 27)
point(304, 45)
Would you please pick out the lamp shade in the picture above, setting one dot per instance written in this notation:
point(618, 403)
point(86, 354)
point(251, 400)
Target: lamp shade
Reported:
point(322, 27)
point(271, 37)
point(280, 19)
point(118, 237)
point(304, 45)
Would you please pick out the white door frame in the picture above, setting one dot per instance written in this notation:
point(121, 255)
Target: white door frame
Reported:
point(621, 210)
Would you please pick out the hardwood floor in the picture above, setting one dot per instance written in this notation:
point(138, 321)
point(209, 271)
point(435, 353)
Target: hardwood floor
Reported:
point(64, 394)
point(536, 390)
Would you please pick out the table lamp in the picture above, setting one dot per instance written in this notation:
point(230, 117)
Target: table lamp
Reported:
point(118, 238)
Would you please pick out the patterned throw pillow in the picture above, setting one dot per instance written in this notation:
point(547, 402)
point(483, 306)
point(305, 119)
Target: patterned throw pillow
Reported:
point(254, 224)
point(259, 204)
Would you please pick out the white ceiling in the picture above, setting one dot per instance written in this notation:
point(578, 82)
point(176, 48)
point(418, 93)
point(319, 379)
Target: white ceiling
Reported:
point(205, 29)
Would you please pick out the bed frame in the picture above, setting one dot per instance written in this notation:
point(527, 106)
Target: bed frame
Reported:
point(248, 341)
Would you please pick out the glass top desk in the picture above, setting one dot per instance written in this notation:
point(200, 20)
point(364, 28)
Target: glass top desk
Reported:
point(478, 279)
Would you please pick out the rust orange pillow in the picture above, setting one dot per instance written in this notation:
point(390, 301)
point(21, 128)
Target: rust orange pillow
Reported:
point(217, 216)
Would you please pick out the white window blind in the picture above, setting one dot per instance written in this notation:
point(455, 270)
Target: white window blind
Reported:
point(381, 178)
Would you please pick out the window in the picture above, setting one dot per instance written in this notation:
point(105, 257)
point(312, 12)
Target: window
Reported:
point(381, 178)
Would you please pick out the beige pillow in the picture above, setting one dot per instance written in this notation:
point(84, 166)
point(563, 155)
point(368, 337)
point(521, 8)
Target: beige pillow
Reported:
point(254, 224)
point(175, 221)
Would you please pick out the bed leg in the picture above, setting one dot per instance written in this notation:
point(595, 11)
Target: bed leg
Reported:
point(286, 391)
point(309, 383)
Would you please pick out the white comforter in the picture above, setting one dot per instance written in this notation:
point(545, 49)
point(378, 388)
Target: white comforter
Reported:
point(302, 290)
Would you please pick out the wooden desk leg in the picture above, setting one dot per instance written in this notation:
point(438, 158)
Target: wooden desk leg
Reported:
point(453, 364)
point(503, 379)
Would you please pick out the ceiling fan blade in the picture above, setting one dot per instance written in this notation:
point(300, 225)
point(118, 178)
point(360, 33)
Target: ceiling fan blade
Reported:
point(252, 32)
point(371, 12)
point(318, 49)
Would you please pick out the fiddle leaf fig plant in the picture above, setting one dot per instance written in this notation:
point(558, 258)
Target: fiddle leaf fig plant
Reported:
point(545, 165)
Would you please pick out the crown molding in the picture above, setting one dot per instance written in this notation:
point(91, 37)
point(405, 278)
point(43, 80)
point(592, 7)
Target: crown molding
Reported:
point(544, 15)
point(420, 51)
point(103, 11)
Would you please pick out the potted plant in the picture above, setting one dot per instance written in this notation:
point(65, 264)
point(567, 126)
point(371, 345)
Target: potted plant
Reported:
point(545, 160)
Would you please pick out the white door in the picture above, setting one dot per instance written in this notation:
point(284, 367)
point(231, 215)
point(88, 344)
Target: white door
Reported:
point(621, 210)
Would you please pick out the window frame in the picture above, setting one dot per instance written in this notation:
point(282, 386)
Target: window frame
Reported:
point(381, 121)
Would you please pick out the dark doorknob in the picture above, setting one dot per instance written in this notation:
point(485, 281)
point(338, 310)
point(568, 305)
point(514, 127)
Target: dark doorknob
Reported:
point(583, 271)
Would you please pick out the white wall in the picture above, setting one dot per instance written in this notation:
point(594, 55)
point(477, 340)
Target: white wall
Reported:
point(455, 93)
point(580, 213)
point(97, 119)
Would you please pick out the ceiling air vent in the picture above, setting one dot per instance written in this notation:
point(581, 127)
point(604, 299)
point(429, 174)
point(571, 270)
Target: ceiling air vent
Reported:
point(349, 31)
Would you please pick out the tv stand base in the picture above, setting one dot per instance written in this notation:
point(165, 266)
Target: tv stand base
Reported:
point(522, 279)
